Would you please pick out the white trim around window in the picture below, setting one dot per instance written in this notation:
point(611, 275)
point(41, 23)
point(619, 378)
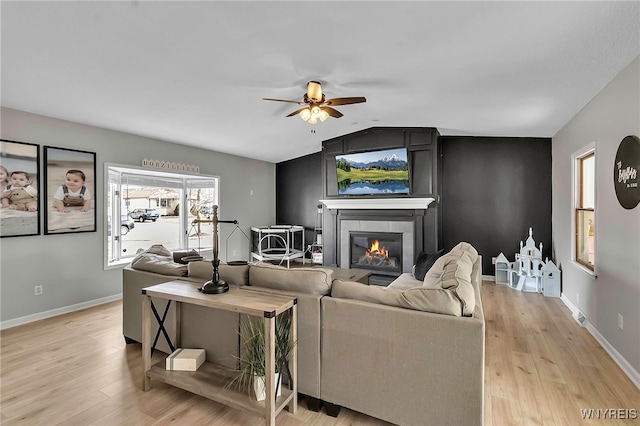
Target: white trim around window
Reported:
point(576, 158)
point(150, 189)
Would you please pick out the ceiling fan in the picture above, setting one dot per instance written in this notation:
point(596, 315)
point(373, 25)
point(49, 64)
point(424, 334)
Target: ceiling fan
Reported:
point(316, 106)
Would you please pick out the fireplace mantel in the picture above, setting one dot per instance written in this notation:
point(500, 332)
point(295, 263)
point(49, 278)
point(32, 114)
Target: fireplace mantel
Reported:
point(377, 203)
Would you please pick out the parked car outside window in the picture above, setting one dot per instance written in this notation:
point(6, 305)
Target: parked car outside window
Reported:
point(126, 225)
point(144, 214)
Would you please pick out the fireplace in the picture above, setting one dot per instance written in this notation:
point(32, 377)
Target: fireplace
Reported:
point(402, 219)
point(397, 237)
point(376, 251)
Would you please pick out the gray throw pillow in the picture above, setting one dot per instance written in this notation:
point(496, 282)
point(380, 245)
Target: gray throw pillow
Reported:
point(178, 256)
point(424, 262)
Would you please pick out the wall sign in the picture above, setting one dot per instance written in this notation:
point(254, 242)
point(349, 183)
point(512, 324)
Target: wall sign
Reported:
point(625, 172)
point(170, 165)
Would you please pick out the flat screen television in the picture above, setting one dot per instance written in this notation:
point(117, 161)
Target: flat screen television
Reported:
point(384, 172)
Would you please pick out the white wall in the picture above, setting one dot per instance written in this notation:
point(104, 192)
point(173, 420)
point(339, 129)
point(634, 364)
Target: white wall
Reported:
point(613, 114)
point(70, 266)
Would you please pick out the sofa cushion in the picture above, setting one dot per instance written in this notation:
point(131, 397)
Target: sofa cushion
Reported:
point(302, 280)
point(405, 281)
point(232, 274)
point(453, 295)
point(158, 249)
point(461, 251)
point(424, 262)
point(433, 275)
point(457, 278)
point(467, 248)
point(152, 262)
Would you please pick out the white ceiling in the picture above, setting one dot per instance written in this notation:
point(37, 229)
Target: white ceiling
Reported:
point(194, 73)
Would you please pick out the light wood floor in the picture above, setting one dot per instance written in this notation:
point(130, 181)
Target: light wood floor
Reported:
point(541, 368)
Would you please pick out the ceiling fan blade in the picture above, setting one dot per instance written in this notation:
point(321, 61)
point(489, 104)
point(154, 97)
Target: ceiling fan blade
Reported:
point(283, 100)
point(332, 112)
point(296, 112)
point(344, 101)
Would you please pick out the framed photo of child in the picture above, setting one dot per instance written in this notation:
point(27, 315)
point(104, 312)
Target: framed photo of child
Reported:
point(19, 188)
point(70, 190)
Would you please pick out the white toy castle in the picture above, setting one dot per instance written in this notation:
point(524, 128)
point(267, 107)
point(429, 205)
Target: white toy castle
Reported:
point(529, 272)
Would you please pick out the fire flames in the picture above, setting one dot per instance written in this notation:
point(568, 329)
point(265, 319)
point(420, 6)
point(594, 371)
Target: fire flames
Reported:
point(376, 251)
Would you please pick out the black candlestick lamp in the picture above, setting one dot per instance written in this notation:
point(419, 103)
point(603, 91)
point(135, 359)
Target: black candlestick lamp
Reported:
point(215, 285)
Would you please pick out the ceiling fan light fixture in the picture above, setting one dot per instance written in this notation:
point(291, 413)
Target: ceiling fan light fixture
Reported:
point(305, 114)
point(316, 107)
point(314, 91)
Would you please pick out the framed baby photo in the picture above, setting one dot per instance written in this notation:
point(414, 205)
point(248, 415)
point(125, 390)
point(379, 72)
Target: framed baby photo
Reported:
point(70, 189)
point(19, 188)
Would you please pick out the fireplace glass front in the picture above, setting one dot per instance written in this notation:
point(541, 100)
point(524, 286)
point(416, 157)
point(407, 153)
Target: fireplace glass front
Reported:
point(377, 251)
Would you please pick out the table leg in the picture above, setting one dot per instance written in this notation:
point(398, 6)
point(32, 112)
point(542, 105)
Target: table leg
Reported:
point(146, 340)
point(177, 324)
point(292, 407)
point(270, 368)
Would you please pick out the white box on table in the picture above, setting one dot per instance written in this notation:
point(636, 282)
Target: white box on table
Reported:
point(185, 359)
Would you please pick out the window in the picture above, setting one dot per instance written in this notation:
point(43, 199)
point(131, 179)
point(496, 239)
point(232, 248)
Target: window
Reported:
point(584, 207)
point(151, 207)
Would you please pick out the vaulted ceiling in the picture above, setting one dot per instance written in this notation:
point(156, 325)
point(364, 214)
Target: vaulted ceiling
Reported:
point(194, 73)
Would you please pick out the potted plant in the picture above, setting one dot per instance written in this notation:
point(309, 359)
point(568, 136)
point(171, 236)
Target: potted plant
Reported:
point(252, 371)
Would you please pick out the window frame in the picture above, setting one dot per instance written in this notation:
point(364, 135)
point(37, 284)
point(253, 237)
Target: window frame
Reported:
point(188, 181)
point(578, 208)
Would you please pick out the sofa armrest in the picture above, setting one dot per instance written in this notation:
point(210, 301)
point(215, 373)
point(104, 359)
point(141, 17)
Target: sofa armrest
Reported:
point(413, 367)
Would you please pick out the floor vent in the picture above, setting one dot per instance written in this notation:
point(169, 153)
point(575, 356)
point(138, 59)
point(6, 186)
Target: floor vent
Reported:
point(580, 318)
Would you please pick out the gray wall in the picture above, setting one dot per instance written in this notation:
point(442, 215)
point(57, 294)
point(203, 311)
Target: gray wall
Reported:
point(70, 266)
point(613, 114)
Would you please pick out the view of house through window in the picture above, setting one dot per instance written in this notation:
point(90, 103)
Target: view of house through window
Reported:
point(585, 224)
point(157, 207)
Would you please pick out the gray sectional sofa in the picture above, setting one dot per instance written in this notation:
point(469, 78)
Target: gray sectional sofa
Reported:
point(411, 353)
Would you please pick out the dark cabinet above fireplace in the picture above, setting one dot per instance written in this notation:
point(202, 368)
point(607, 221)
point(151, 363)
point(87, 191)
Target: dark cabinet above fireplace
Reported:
point(420, 208)
point(422, 155)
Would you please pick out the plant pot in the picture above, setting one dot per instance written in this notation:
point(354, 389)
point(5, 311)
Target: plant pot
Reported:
point(259, 386)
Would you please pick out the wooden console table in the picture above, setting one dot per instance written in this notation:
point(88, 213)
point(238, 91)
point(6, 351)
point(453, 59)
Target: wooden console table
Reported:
point(210, 380)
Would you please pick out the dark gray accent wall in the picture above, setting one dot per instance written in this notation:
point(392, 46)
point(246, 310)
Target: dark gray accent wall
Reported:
point(298, 190)
point(493, 190)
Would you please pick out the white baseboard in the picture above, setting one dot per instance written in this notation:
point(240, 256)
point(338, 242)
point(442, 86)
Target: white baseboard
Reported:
point(55, 312)
point(633, 375)
point(488, 278)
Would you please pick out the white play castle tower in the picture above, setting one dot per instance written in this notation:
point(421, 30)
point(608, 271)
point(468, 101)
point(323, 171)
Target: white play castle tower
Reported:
point(529, 272)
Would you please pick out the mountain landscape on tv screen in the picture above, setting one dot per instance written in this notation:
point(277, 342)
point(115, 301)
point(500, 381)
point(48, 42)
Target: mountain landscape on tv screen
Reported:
point(381, 172)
